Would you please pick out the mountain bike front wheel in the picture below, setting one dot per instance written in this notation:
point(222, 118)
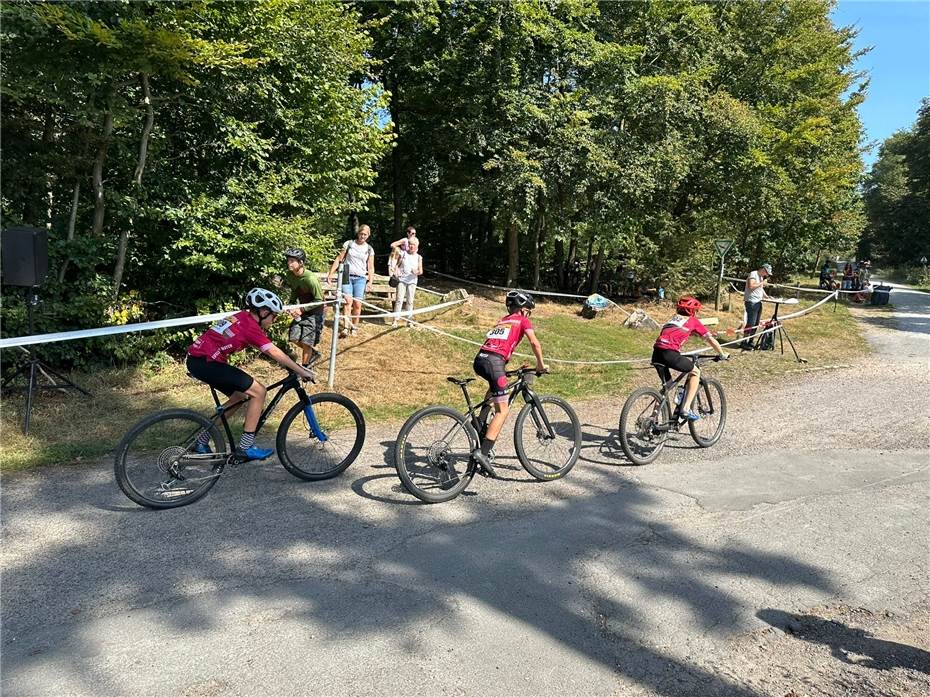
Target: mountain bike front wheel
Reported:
point(547, 455)
point(710, 403)
point(320, 440)
point(163, 462)
point(432, 454)
point(644, 424)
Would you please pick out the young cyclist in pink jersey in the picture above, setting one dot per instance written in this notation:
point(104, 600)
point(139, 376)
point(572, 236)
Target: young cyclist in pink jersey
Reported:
point(491, 365)
point(207, 360)
point(667, 349)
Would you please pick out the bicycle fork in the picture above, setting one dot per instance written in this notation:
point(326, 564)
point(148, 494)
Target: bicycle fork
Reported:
point(314, 425)
point(539, 417)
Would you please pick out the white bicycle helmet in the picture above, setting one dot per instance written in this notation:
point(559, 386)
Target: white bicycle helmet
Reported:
point(259, 298)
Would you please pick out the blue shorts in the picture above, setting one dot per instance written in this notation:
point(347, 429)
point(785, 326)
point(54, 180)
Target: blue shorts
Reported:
point(355, 287)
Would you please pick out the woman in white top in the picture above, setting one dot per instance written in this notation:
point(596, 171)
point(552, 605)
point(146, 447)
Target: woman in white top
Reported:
point(361, 262)
point(409, 267)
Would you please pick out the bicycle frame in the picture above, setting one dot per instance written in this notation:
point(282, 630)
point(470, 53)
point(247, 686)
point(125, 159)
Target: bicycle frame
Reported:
point(286, 384)
point(517, 387)
point(668, 386)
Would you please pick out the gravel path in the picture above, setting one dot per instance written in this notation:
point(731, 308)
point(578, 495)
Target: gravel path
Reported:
point(791, 558)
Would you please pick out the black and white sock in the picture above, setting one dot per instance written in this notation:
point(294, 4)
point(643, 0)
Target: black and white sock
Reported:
point(246, 440)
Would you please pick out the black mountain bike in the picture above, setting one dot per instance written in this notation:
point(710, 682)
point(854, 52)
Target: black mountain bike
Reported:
point(433, 449)
point(158, 463)
point(647, 416)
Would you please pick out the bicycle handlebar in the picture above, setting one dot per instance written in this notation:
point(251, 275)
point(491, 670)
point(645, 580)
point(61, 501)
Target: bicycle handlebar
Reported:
point(524, 370)
point(715, 359)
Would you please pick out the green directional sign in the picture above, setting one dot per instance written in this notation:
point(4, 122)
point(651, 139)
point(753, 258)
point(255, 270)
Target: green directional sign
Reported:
point(722, 246)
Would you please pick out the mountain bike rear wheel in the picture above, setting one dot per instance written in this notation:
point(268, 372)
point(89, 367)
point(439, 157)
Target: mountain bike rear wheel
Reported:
point(644, 424)
point(544, 456)
point(432, 454)
point(157, 464)
point(710, 403)
point(325, 448)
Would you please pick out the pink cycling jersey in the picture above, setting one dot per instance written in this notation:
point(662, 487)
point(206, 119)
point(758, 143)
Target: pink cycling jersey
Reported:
point(503, 339)
point(676, 331)
point(228, 336)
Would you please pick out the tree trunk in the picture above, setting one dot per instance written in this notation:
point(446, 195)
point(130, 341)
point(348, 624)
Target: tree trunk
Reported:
point(352, 224)
point(570, 272)
point(598, 264)
point(513, 252)
point(560, 262)
point(146, 130)
point(537, 237)
point(121, 259)
point(587, 265)
point(99, 160)
point(396, 183)
point(72, 221)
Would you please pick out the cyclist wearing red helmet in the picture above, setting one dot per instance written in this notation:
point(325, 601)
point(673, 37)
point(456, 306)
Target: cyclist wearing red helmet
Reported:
point(667, 349)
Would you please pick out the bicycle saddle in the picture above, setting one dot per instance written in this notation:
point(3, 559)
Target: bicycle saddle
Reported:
point(459, 381)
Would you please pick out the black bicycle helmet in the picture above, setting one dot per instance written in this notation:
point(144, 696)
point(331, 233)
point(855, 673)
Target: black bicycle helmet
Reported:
point(297, 253)
point(519, 299)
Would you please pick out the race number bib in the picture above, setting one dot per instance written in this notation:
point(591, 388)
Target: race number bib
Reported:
point(223, 326)
point(500, 332)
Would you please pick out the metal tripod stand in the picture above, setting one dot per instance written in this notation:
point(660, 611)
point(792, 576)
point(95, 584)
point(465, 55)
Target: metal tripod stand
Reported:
point(34, 367)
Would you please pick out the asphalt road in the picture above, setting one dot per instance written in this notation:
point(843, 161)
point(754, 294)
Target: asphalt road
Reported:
point(659, 580)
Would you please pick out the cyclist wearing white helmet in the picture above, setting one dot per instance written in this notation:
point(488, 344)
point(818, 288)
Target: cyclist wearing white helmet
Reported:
point(491, 365)
point(208, 356)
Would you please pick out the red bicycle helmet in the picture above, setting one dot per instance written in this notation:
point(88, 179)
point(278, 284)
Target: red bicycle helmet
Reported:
point(688, 305)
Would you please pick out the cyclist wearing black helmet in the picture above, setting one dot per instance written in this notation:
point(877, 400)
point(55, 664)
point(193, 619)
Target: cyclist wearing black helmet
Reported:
point(307, 327)
point(208, 356)
point(491, 364)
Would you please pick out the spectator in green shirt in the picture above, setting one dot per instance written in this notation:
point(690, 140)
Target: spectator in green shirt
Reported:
point(307, 326)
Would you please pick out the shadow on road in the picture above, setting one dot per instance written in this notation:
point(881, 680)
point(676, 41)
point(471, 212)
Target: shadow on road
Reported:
point(848, 644)
point(522, 560)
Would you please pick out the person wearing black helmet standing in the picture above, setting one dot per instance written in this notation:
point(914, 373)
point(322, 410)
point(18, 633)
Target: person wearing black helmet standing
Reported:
point(491, 365)
point(307, 327)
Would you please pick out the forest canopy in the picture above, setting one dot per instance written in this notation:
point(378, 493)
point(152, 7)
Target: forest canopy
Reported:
point(174, 149)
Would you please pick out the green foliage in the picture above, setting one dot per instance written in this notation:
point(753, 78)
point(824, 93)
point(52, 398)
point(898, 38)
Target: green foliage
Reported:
point(897, 197)
point(202, 139)
point(560, 143)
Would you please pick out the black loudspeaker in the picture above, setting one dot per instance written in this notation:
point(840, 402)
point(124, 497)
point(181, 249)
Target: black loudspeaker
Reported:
point(24, 252)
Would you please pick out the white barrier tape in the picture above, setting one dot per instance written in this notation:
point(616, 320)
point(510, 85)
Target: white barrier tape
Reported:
point(525, 290)
point(479, 343)
point(793, 315)
point(782, 285)
point(130, 328)
point(404, 313)
point(806, 290)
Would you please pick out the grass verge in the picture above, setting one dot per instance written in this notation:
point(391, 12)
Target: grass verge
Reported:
point(392, 372)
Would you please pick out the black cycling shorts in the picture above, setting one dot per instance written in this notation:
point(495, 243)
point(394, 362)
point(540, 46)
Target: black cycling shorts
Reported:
point(673, 359)
point(492, 367)
point(224, 377)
